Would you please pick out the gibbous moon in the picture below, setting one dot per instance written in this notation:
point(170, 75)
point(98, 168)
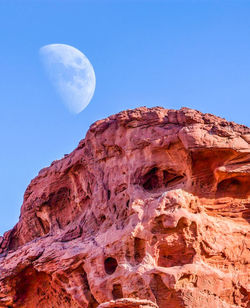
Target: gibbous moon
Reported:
point(71, 73)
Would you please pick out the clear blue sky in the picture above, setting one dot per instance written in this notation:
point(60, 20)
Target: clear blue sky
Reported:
point(168, 53)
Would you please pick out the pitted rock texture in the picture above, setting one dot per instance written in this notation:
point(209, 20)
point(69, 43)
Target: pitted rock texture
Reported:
point(150, 210)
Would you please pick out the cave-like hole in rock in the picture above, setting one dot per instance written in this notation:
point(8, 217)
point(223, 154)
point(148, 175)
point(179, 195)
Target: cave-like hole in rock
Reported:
point(175, 255)
point(139, 249)
point(170, 178)
point(110, 265)
point(157, 178)
point(236, 187)
point(108, 194)
point(102, 218)
point(151, 180)
point(37, 289)
point(117, 291)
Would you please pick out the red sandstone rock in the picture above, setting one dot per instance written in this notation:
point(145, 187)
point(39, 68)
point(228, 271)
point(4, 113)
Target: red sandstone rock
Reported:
point(150, 210)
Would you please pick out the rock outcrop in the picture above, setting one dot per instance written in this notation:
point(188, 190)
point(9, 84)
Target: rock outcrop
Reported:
point(150, 210)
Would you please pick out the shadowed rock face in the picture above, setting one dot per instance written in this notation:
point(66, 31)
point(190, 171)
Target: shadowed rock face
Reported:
point(150, 210)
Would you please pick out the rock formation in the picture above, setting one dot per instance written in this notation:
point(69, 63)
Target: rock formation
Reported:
point(150, 210)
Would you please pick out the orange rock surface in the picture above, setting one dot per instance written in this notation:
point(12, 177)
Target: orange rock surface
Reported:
point(150, 210)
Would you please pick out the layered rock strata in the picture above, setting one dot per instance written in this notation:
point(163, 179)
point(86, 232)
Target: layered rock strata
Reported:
point(150, 210)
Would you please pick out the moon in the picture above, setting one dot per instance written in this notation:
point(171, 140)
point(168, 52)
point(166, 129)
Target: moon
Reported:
point(71, 73)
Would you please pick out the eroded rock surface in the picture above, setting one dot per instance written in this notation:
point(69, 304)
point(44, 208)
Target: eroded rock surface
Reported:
point(150, 210)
